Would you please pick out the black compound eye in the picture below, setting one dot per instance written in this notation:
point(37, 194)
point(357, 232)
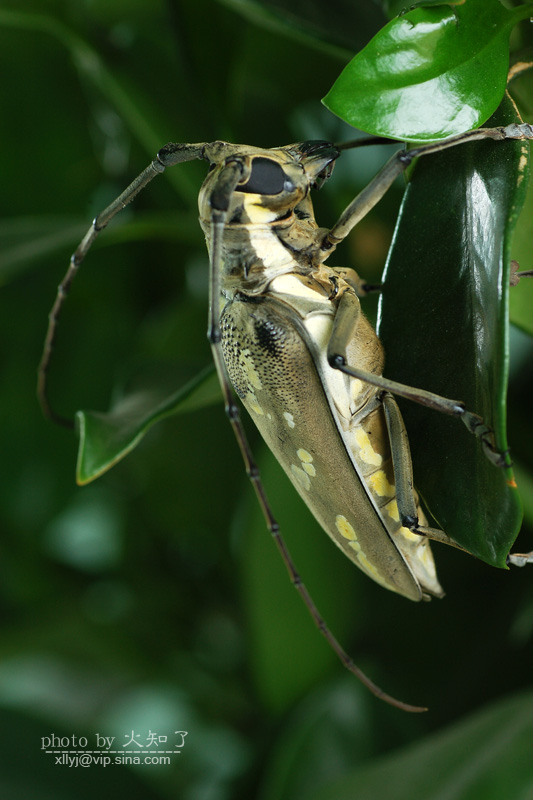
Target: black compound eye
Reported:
point(266, 177)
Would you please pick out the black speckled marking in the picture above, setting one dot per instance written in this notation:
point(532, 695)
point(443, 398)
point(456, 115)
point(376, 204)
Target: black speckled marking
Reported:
point(269, 337)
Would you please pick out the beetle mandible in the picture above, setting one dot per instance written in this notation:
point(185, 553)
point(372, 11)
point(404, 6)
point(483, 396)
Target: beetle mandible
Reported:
point(288, 334)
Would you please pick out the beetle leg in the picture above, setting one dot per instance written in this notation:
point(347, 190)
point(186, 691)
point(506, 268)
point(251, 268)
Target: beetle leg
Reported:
point(516, 274)
point(168, 156)
point(520, 559)
point(400, 161)
point(403, 474)
point(401, 462)
point(344, 328)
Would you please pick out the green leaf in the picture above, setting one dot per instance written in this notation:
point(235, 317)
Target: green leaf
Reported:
point(335, 28)
point(106, 438)
point(521, 295)
point(444, 325)
point(430, 73)
point(485, 757)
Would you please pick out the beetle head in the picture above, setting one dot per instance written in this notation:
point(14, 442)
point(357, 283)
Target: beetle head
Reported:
point(273, 181)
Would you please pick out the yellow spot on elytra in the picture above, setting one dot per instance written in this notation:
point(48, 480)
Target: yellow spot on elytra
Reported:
point(301, 477)
point(380, 485)
point(392, 510)
point(306, 459)
point(367, 566)
point(367, 452)
point(251, 399)
point(347, 531)
point(248, 367)
point(344, 528)
point(290, 419)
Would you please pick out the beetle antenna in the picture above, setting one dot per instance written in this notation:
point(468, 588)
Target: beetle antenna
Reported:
point(168, 156)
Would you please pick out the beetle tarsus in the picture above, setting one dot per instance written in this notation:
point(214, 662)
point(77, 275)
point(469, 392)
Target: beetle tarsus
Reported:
point(519, 559)
point(336, 361)
point(409, 521)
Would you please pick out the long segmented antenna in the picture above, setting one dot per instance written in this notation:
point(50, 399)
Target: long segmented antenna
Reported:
point(169, 155)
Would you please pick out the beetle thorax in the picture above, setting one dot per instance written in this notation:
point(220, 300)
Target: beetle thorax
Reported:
point(260, 243)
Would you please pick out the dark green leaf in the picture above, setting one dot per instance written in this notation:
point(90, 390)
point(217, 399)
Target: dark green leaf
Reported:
point(429, 73)
point(106, 438)
point(338, 27)
point(521, 296)
point(486, 757)
point(444, 325)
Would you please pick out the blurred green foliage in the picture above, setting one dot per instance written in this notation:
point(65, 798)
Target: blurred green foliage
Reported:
point(153, 599)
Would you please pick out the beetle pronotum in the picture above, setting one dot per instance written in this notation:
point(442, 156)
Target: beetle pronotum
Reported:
point(288, 333)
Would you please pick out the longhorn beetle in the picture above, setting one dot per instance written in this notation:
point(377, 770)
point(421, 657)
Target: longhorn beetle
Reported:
point(288, 333)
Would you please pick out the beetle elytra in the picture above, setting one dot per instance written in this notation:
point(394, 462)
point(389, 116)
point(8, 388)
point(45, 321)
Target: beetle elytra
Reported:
point(288, 335)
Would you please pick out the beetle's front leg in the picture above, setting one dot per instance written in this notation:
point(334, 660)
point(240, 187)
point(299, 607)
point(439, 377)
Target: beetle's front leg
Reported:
point(400, 161)
point(344, 329)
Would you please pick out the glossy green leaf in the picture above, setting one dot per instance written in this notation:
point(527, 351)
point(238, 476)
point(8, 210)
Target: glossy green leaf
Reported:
point(106, 438)
point(485, 757)
point(429, 73)
point(444, 325)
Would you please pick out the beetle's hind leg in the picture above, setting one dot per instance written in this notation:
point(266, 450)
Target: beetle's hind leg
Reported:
point(403, 477)
point(403, 474)
point(344, 328)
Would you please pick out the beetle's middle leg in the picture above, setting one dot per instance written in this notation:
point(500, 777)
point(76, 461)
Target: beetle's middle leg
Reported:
point(344, 328)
